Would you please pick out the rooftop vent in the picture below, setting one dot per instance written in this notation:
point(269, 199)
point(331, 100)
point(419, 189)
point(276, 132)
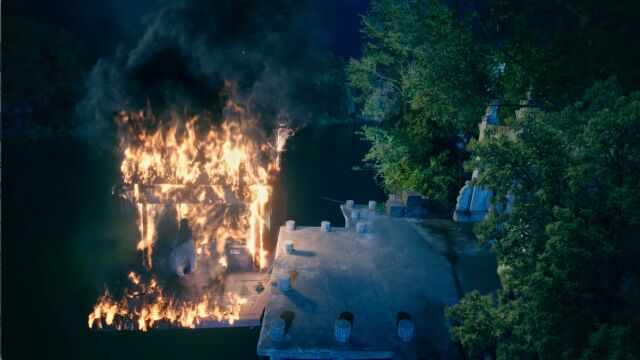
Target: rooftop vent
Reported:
point(290, 225)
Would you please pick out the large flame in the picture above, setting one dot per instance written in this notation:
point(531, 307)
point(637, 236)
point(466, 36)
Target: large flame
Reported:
point(142, 308)
point(216, 176)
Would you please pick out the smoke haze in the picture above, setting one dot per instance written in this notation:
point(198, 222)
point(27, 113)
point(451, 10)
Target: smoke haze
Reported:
point(191, 47)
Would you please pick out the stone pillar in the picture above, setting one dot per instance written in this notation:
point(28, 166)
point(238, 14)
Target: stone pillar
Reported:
point(405, 330)
point(290, 225)
point(342, 330)
point(372, 205)
point(361, 228)
point(349, 203)
point(325, 226)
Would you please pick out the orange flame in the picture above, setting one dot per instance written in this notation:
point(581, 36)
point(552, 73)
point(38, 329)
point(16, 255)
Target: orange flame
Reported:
point(198, 170)
point(127, 315)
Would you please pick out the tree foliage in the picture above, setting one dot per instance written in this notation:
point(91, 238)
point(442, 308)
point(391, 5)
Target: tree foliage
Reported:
point(396, 170)
point(420, 74)
point(553, 50)
point(568, 250)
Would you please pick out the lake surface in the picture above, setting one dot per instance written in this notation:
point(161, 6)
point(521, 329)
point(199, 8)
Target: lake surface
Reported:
point(64, 237)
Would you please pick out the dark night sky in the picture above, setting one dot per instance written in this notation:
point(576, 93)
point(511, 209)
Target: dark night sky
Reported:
point(101, 25)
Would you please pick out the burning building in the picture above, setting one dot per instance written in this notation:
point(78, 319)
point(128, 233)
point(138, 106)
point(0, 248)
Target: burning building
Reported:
point(214, 176)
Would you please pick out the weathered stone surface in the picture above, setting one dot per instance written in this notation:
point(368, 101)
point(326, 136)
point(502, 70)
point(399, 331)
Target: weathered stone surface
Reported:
point(463, 201)
point(284, 283)
point(472, 204)
point(413, 211)
point(374, 277)
point(411, 198)
point(395, 209)
point(480, 200)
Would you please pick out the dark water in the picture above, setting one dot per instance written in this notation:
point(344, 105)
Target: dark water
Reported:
point(63, 237)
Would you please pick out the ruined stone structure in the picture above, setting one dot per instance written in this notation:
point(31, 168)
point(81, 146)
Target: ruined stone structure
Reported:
point(472, 204)
point(375, 289)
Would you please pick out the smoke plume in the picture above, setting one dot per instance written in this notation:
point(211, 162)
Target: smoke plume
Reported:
point(191, 47)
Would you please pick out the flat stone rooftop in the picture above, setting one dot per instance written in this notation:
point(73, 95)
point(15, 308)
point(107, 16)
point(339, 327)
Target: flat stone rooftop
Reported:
point(397, 266)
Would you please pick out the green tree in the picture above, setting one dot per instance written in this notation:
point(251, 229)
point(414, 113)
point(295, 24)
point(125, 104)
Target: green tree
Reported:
point(568, 250)
point(553, 50)
point(422, 74)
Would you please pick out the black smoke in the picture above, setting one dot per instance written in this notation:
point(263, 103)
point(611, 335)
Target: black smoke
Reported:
point(191, 47)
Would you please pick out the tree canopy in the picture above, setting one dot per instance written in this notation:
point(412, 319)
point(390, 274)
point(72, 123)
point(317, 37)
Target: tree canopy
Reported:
point(422, 75)
point(430, 67)
point(568, 250)
point(568, 246)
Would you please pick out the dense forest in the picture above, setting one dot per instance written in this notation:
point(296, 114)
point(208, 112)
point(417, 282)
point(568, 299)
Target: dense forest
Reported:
point(568, 249)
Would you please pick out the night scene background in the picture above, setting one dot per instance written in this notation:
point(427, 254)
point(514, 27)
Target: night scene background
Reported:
point(382, 96)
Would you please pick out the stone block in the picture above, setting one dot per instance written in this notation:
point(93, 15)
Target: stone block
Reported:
point(413, 211)
point(395, 209)
point(411, 198)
